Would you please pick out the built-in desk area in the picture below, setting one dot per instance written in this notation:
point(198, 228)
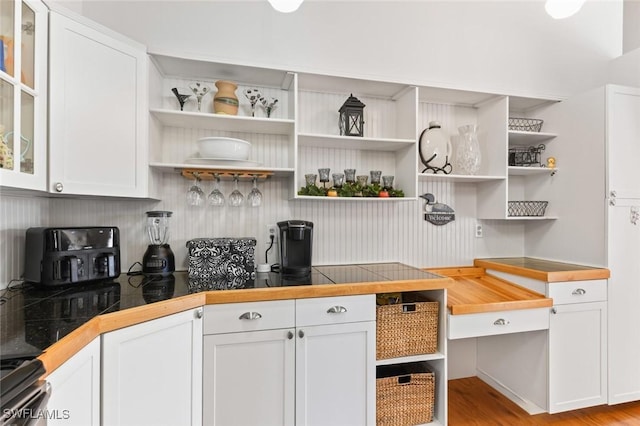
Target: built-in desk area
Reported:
point(533, 329)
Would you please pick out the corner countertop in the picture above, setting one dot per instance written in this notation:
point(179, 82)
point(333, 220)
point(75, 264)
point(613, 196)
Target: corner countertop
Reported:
point(57, 322)
point(543, 270)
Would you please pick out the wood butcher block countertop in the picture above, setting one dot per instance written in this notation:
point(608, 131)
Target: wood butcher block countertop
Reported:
point(474, 292)
point(134, 307)
point(543, 270)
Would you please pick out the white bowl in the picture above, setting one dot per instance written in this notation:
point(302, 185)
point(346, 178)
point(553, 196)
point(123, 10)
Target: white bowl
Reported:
point(224, 148)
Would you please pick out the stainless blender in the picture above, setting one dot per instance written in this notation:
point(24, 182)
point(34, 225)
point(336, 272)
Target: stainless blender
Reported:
point(158, 259)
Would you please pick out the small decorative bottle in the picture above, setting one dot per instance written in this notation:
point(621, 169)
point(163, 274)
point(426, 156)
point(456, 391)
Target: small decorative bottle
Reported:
point(225, 101)
point(468, 157)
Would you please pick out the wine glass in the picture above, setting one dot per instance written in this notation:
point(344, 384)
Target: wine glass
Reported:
point(200, 90)
point(236, 198)
point(268, 105)
point(195, 194)
point(254, 95)
point(216, 197)
point(255, 196)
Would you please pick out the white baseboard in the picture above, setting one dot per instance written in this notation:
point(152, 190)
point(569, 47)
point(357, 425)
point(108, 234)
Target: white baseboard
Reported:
point(523, 403)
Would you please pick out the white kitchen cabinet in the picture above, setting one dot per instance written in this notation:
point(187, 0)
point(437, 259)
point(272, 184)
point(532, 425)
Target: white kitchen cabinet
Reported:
point(318, 371)
point(75, 389)
point(23, 95)
point(249, 355)
point(577, 356)
point(576, 347)
point(624, 299)
point(256, 367)
point(602, 201)
point(97, 110)
point(152, 372)
point(335, 360)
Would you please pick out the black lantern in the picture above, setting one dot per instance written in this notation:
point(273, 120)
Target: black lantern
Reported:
point(352, 117)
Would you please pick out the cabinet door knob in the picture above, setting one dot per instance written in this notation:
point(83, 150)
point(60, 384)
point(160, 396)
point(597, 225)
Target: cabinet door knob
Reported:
point(198, 313)
point(289, 335)
point(579, 292)
point(250, 316)
point(554, 311)
point(300, 334)
point(501, 321)
point(58, 186)
point(337, 310)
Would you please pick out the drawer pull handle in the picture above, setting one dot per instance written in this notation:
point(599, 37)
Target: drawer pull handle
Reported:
point(337, 310)
point(250, 316)
point(501, 321)
point(579, 292)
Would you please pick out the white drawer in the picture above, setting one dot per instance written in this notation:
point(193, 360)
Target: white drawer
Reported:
point(250, 316)
point(335, 310)
point(493, 323)
point(578, 291)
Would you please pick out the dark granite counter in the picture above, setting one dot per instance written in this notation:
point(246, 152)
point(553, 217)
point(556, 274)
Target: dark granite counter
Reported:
point(34, 318)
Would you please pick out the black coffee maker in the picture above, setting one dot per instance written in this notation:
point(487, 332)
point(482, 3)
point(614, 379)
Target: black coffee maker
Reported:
point(296, 238)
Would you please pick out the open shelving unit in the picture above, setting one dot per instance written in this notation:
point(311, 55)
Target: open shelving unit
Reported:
point(302, 135)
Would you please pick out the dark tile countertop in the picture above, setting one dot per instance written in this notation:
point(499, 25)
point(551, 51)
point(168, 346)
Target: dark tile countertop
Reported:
point(32, 318)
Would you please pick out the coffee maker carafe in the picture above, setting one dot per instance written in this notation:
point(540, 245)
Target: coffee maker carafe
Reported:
point(158, 259)
point(295, 247)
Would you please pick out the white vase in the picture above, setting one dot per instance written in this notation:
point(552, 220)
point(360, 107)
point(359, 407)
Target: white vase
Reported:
point(468, 157)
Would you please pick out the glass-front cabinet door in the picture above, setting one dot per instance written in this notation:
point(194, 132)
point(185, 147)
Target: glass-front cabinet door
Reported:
point(23, 94)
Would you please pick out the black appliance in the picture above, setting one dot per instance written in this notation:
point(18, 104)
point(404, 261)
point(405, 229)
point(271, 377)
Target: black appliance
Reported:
point(296, 237)
point(159, 258)
point(59, 256)
point(23, 396)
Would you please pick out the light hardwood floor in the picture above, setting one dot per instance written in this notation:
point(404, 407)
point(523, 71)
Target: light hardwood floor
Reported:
point(474, 403)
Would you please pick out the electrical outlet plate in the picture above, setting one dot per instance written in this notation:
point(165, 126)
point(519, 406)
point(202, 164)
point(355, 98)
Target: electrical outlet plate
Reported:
point(272, 230)
point(478, 230)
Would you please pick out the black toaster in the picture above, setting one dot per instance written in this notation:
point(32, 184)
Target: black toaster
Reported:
point(60, 256)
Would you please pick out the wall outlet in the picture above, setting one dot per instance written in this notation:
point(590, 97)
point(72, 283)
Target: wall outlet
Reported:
point(272, 230)
point(479, 231)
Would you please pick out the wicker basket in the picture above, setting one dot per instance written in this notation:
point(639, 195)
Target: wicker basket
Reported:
point(525, 124)
point(527, 208)
point(404, 399)
point(406, 329)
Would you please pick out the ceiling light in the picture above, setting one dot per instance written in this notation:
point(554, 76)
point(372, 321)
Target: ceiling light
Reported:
point(286, 6)
point(560, 9)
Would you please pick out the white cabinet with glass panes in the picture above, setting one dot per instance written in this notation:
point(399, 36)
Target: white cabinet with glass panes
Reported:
point(23, 94)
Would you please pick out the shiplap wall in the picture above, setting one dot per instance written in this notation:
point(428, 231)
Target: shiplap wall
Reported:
point(344, 231)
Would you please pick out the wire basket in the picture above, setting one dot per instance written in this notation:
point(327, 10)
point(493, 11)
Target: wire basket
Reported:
point(527, 208)
point(526, 156)
point(525, 124)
